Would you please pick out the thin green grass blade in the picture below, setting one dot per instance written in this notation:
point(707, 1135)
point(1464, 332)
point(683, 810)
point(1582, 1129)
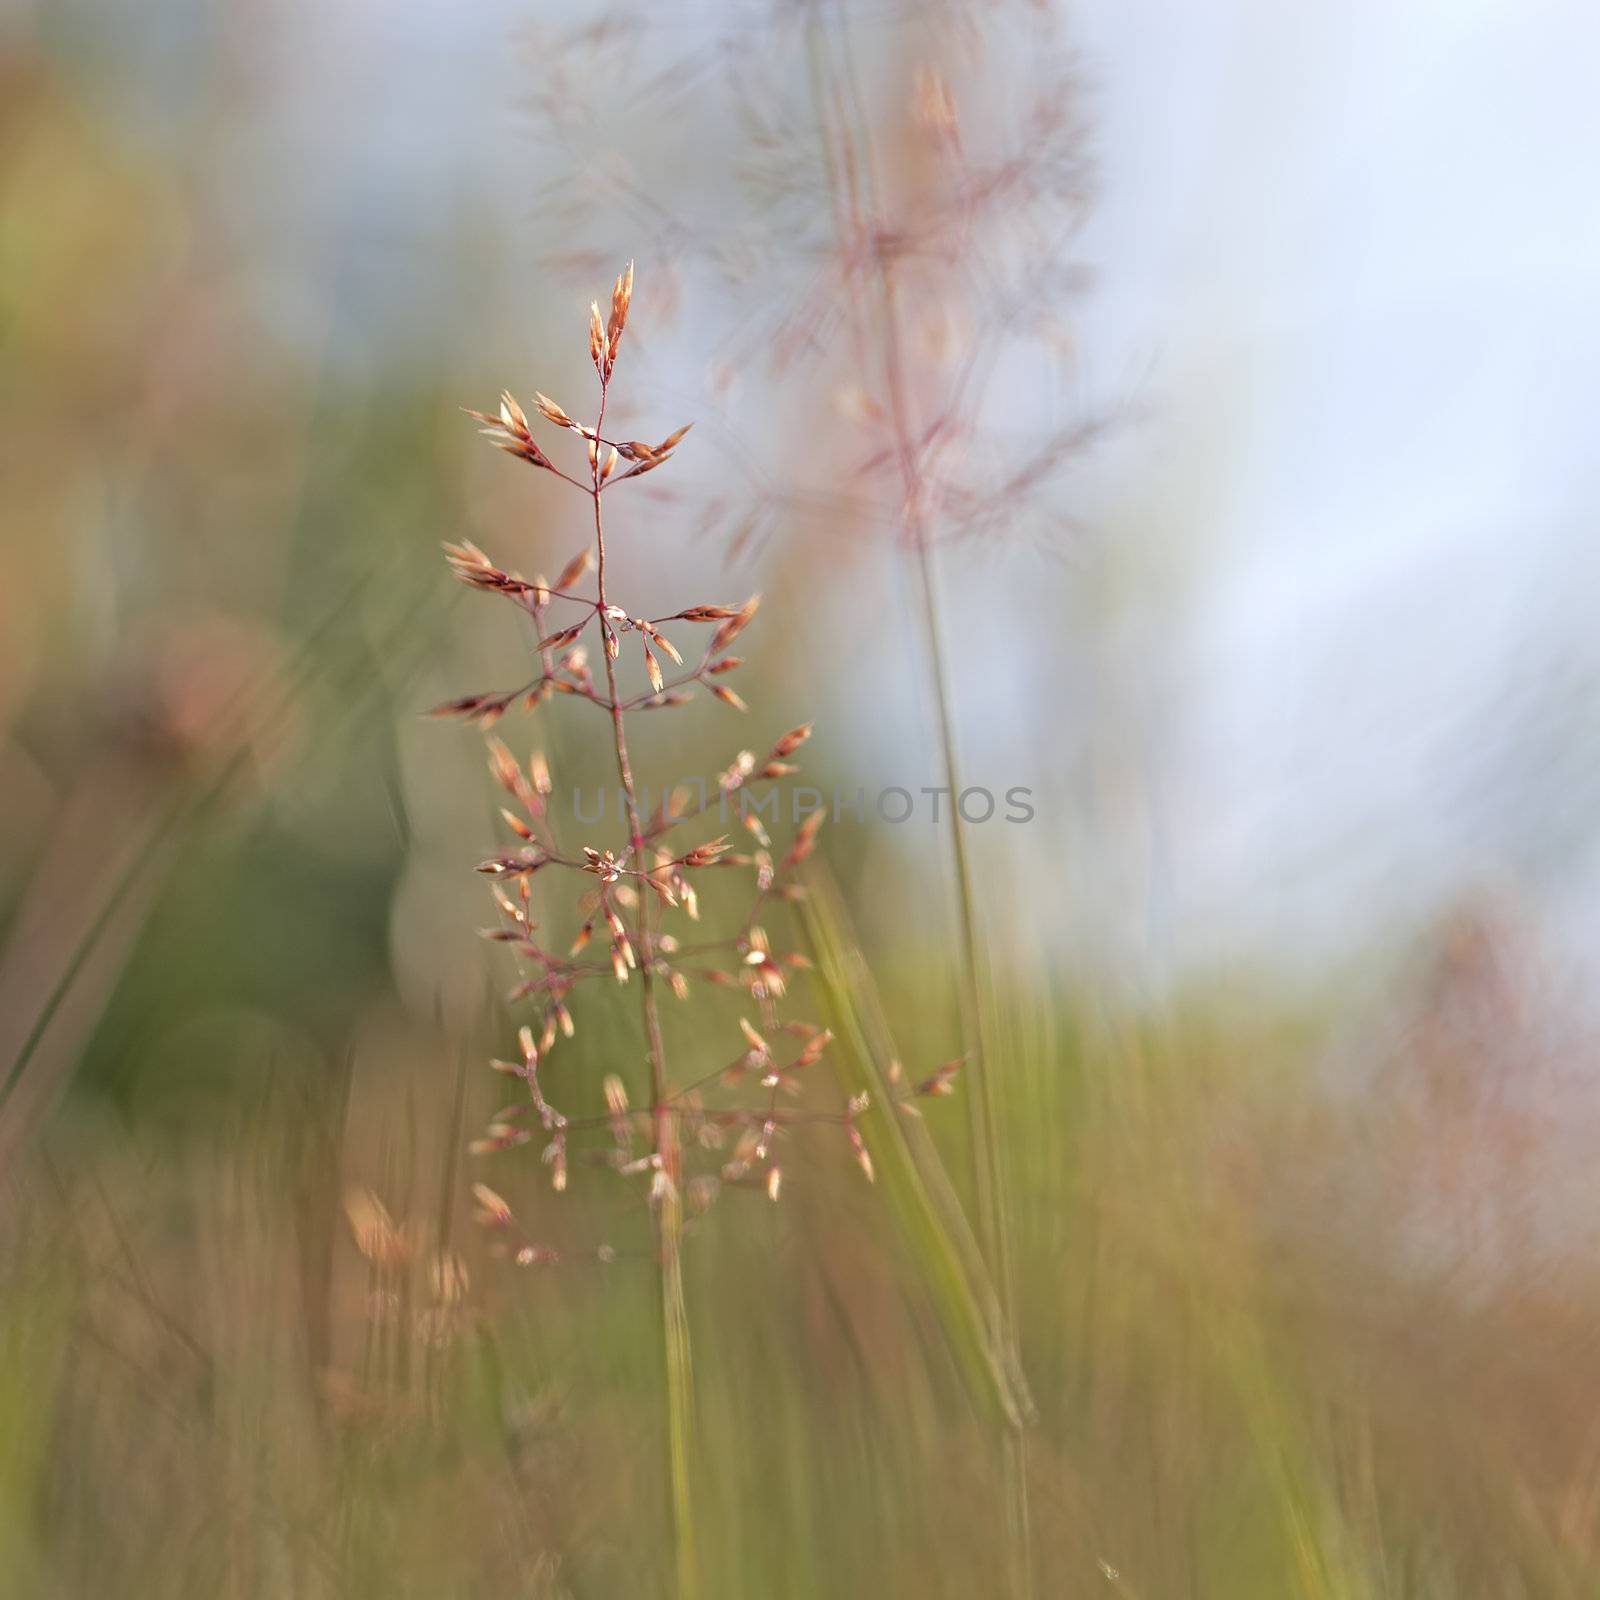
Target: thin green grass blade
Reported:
point(926, 1209)
point(193, 793)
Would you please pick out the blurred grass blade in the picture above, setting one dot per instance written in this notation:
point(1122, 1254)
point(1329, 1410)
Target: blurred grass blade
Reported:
point(189, 795)
point(908, 1167)
point(33, 1346)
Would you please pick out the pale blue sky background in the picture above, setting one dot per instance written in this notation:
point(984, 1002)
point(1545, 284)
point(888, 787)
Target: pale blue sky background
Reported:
point(1368, 235)
point(1326, 655)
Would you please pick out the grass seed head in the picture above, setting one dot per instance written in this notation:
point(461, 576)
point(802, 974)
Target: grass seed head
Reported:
point(638, 925)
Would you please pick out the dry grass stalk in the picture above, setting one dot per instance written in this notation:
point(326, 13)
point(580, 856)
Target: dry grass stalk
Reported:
point(628, 890)
point(913, 447)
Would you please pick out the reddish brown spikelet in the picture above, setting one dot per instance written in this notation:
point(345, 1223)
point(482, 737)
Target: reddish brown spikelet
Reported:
point(509, 432)
point(553, 412)
point(791, 741)
point(650, 630)
point(504, 767)
point(814, 1047)
point(649, 457)
point(560, 640)
point(483, 708)
point(703, 855)
point(621, 297)
point(510, 776)
point(805, 839)
point(493, 1211)
point(575, 568)
point(468, 562)
point(741, 769)
point(735, 625)
point(512, 414)
point(728, 696)
point(511, 866)
point(943, 1080)
point(863, 1159)
point(707, 614)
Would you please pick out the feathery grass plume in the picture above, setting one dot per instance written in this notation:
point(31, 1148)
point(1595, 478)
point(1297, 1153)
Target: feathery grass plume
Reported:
point(945, 145)
point(637, 895)
point(918, 399)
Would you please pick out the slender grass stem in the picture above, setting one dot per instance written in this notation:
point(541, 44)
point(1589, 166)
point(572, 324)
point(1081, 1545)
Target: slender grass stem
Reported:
point(994, 1231)
point(849, 159)
point(669, 1205)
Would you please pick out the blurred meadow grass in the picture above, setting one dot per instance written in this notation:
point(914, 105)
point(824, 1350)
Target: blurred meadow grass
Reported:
point(1281, 1338)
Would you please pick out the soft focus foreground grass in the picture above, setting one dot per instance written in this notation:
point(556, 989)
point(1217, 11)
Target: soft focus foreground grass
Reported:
point(209, 1390)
